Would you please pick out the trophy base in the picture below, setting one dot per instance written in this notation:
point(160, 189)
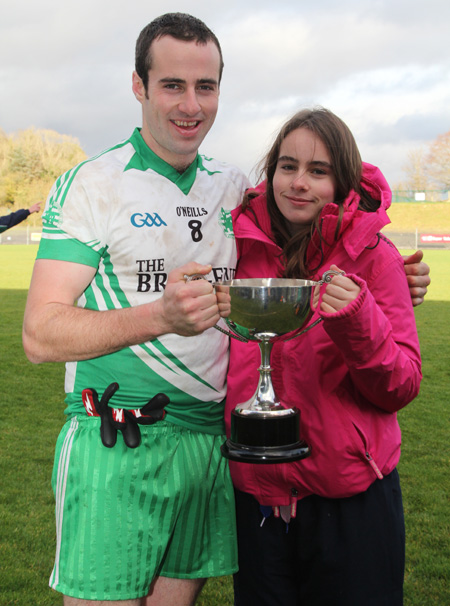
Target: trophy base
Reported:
point(265, 454)
point(265, 437)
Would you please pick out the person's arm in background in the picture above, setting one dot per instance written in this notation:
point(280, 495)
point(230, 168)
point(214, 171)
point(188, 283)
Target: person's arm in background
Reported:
point(417, 275)
point(8, 221)
point(55, 330)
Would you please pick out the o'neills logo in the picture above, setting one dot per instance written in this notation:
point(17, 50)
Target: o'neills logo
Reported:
point(191, 211)
point(146, 220)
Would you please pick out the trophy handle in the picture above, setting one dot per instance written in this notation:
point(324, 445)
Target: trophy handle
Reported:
point(230, 334)
point(216, 326)
point(327, 276)
point(326, 279)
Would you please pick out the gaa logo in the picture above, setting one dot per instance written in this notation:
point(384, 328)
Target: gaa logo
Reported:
point(146, 220)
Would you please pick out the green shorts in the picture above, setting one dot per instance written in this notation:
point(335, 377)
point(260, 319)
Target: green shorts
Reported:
point(124, 516)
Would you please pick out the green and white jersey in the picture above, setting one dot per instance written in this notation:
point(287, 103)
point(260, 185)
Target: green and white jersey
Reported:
point(134, 218)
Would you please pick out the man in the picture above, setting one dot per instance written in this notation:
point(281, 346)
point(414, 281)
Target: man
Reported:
point(144, 525)
point(8, 221)
point(116, 230)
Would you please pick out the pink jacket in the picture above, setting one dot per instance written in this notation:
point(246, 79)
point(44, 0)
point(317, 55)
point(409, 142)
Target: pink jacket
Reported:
point(349, 374)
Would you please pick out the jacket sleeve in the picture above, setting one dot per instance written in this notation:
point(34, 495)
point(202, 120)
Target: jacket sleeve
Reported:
point(377, 336)
point(8, 221)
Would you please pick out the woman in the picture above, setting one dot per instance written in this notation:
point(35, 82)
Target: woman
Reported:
point(329, 529)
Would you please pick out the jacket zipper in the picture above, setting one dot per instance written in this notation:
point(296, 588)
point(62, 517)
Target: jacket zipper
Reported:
point(294, 495)
point(374, 466)
point(368, 456)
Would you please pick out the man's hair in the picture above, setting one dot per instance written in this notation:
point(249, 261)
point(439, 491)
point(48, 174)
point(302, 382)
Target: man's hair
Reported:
point(178, 25)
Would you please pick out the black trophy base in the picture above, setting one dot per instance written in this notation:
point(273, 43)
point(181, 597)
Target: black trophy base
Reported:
point(265, 438)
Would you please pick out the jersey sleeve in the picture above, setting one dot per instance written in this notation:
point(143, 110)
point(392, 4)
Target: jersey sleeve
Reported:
point(72, 227)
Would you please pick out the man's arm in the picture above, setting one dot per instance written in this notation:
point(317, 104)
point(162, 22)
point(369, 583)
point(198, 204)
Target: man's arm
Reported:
point(417, 274)
point(55, 330)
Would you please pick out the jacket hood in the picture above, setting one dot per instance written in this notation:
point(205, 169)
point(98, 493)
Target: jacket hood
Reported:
point(354, 240)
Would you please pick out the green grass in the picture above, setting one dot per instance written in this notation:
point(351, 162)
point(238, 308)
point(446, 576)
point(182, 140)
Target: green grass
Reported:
point(407, 216)
point(31, 414)
point(425, 463)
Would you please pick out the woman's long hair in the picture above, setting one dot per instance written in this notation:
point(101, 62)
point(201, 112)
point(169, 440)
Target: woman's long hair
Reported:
point(347, 168)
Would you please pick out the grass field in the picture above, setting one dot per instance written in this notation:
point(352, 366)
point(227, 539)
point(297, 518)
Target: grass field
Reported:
point(409, 216)
point(31, 414)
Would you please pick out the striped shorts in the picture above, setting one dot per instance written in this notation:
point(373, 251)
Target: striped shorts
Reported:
point(124, 516)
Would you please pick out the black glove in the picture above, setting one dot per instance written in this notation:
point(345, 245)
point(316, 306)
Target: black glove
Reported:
point(154, 410)
point(113, 419)
point(96, 408)
point(150, 413)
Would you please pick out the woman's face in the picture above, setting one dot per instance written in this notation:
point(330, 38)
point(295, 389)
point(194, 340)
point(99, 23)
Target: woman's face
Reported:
point(304, 179)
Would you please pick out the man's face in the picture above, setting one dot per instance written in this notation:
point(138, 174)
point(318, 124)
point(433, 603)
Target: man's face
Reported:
point(180, 104)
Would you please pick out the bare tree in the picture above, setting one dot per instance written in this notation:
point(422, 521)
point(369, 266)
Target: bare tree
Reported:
point(416, 175)
point(437, 162)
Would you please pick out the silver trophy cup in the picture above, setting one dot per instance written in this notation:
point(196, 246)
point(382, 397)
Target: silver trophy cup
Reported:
point(263, 429)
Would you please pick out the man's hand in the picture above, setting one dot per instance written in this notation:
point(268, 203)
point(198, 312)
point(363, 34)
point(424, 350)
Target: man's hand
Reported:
point(188, 308)
point(338, 293)
point(224, 301)
point(417, 274)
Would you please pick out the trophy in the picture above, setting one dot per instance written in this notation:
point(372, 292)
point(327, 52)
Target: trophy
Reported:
point(265, 310)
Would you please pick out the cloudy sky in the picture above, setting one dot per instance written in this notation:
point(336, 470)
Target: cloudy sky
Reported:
point(381, 65)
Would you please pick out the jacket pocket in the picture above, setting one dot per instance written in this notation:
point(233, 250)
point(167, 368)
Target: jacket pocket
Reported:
point(367, 454)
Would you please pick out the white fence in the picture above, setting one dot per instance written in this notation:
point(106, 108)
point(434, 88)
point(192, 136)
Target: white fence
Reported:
point(413, 240)
point(21, 235)
point(417, 239)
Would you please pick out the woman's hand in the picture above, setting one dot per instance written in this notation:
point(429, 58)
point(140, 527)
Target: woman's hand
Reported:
point(338, 293)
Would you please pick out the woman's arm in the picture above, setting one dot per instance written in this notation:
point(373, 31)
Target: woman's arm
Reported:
point(376, 334)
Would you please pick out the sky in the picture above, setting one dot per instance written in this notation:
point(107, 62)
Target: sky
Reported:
point(383, 66)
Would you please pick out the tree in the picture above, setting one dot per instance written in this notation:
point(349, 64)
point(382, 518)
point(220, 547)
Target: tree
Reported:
point(30, 161)
point(5, 150)
point(417, 177)
point(438, 161)
point(43, 153)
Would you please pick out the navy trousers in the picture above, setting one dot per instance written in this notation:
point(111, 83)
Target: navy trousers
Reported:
point(335, 552)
